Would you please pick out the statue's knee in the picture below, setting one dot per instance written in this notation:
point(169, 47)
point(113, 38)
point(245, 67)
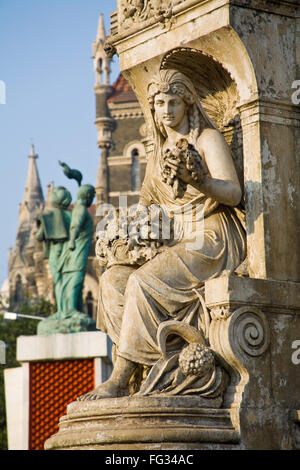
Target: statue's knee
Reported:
point(114, 278)
point(107, 278)
point(133, 280)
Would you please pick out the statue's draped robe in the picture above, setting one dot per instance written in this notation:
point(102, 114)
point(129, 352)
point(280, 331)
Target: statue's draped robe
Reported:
point(72, 263)
point(133, 302)
point(54, 232)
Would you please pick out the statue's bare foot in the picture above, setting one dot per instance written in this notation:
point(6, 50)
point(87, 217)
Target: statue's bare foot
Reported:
point(108, 389)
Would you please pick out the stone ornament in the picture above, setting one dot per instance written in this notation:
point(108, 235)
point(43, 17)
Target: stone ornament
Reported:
point(132, 11)
point(125, 238)
point(249, 331)
point(221, 312)
point(182, 152)
point(193, 370)
point(239, 336)
point(109, 49)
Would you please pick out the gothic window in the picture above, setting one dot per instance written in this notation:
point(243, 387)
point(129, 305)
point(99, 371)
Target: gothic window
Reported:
point(99, 70)
point(89, 301)
point(135, 170)
point(100, 66)
point(18, 289)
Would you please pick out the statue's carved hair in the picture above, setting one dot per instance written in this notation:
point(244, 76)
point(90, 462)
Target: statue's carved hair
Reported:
point(177, 88)
point(179, 84)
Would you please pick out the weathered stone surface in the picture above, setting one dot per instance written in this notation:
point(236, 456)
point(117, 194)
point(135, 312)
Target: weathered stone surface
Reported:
point(273, 295)
point(255, 324)
point(152, 274)
point(144, 422)
point(256, 44)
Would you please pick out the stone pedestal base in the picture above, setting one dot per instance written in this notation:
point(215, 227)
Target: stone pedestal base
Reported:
point(144, 423)
point(75, 322)
point(254, 329)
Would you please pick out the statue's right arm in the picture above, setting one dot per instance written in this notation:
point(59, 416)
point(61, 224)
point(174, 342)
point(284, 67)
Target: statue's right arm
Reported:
point(223, 183)
point(78, 219)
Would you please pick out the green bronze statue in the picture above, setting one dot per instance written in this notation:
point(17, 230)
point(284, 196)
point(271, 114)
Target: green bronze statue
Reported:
point(67, 237)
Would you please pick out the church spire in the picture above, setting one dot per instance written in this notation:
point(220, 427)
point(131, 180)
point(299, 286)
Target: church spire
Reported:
point(33, 195)
point(101, 34)
point(32, 204)
point(104, 122)
point(101, 61)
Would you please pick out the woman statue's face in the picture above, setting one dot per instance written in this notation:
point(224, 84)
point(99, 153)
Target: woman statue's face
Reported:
point(169, 108)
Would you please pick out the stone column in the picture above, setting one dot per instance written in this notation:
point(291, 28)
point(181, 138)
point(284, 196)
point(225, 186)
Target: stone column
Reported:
point(271, 138)
point(101, 186)
point(105, 125)
point(256, 43)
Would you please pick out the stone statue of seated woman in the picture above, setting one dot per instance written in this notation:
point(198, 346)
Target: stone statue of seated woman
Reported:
point(152, 305)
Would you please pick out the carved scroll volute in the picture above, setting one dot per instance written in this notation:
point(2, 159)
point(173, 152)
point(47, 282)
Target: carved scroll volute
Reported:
point(248, 332)
point(239, 337)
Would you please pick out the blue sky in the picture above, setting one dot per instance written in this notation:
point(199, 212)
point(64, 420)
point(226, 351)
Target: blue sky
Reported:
point(45, 62)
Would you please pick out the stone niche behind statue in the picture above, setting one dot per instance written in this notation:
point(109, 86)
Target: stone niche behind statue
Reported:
point(67, 235)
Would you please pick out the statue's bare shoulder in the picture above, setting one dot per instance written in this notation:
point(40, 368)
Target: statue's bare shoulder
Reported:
point(213, 147)
point(209, 138)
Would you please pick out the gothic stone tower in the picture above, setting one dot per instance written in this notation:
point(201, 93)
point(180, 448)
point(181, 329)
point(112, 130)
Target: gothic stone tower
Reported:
point(20, 280)
point(104, 122)
point(121, 133)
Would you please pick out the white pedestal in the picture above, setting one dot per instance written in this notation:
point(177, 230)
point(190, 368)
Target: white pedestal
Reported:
point(57, 349)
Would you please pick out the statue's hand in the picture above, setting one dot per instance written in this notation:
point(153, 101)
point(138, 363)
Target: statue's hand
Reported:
point(181, 171)
point(71, 245)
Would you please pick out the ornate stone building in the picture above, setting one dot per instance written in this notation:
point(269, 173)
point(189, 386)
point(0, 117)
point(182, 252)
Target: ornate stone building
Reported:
point(121, 132)
point(120, 125)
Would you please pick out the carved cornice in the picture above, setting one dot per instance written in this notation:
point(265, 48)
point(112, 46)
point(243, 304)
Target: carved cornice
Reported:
point(130, 19)
point(163, 14)
point(127, 115)
point(123, 160)
point(227, 294)
point(275, 112)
